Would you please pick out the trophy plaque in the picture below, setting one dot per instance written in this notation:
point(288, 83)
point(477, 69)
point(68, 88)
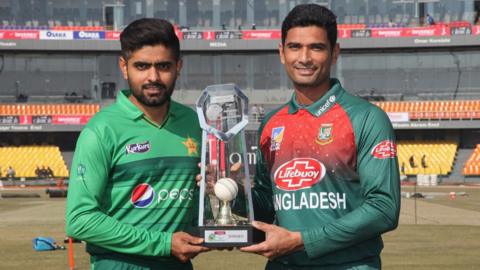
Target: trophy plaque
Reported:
point(225, 206)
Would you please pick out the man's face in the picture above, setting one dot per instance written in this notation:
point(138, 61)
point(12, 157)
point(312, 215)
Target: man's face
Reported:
point(151, 73)
point(308, 56)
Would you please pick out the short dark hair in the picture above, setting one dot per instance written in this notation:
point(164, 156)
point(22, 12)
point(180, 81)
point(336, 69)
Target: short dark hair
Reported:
point(311, 15)
point(149, 32)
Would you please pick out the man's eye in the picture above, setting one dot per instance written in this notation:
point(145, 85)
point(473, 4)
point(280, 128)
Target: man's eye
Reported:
point(162, 66)
point(294, 46)
point(318, 47)
point(142, 66)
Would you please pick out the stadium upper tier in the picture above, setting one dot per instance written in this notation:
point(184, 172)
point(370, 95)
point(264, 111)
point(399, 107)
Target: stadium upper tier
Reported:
point(229, 14)
point(435, 110)
point(472, 166)
point(49, 109)
point(345, 31)
point(413, 110)
point(427, 157)
point(26, 159)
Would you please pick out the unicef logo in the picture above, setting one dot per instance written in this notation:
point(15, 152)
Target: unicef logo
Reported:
point(332, 99)
point(142, 196)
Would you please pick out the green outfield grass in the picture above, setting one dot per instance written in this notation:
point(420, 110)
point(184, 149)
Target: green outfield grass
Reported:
point(446, 235)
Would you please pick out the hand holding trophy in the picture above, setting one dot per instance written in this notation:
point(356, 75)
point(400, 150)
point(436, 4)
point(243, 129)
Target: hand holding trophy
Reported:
point(225, 216)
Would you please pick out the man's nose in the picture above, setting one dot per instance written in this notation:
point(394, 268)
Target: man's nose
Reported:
point(305, 55)
point(153, 74)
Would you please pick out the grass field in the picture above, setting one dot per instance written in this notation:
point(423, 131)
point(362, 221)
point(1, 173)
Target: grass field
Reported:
point(444, 234)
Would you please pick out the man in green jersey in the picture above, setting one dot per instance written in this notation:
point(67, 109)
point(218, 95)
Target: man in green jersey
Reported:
point(131, 191)
point(326, 158)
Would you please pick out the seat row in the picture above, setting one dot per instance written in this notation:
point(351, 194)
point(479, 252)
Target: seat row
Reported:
point(453, 109)
point(427, 157)
point(49, 109)
point(26, 159)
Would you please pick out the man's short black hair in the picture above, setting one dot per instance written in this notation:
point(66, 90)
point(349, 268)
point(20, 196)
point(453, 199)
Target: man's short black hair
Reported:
point(149, 32)
point(311, 15)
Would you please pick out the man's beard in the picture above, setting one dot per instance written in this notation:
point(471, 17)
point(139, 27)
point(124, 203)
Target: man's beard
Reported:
point(157, 100)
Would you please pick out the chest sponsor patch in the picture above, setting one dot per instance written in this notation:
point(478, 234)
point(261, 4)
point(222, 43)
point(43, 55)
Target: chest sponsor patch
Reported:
point(142, 196)
point(138, 147)
point(277, 138)
point(385, 149)
point(299, 173)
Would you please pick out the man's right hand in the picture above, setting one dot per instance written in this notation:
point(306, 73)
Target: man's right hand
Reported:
point(186, 247)
point(211, 175)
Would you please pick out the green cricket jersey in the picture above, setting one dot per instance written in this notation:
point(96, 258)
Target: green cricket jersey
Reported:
point(132, 183)
point(329, 171)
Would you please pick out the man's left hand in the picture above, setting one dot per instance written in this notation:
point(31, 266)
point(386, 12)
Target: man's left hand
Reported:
point(278, 241)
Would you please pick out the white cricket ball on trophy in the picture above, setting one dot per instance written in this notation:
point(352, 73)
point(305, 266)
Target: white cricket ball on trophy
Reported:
point(226, 189)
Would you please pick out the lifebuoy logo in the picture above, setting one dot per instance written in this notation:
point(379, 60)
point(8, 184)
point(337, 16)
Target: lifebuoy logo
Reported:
point(385, 149)
point(299, 173)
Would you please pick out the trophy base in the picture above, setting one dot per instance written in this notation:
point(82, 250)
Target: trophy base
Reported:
point(229, 236)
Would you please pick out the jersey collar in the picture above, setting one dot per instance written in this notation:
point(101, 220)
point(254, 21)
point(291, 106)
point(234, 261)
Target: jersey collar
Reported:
point(133, 112)
point(130, 110)
point(322, 105)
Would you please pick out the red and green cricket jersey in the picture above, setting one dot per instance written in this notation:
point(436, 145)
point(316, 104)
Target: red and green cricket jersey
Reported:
point(132, 184)
point(329, 171)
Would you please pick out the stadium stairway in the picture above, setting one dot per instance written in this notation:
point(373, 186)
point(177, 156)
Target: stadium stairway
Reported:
point(68, 157)
point(456, 176)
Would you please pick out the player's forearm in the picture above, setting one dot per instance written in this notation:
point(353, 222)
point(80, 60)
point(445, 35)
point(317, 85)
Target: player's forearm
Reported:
point(106, 232)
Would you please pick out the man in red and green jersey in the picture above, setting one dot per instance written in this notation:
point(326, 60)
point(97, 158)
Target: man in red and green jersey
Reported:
point(131, 189)
point(327, 173)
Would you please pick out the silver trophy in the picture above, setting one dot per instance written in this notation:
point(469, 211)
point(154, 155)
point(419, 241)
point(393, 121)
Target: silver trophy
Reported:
point(225, 207)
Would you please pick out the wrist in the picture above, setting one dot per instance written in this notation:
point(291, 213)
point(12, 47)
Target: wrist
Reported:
point(298, 241)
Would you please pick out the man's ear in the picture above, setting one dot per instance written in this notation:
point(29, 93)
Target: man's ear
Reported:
point(179, 66)
point(335, 53)
point(123, 64)
point(282, 55)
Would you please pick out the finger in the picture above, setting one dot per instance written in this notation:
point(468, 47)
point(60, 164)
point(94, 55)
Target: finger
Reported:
point(254, 248)
point(194, 240)
point(262, 226)
point(235, 166)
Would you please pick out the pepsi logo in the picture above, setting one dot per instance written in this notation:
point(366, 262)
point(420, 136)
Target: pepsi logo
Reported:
point(385, 149)
point(299, 173)
point(142, 196)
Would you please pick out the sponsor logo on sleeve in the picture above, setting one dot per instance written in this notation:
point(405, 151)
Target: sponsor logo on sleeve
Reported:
point(81, 169)
point(277, 138)
point(324, 134)
point(385, 149)
point(138, 147)
point(299, 173)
